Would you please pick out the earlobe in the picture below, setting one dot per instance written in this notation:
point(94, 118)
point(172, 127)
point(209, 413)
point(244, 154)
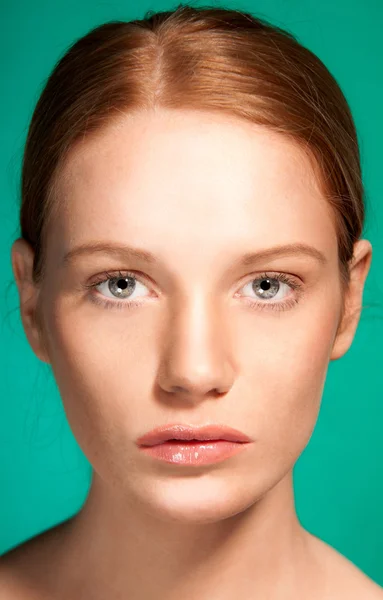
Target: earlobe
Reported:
point(359, 269)
point(22, 256)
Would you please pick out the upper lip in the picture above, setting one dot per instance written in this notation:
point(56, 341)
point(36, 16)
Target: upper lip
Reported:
point(191, 432)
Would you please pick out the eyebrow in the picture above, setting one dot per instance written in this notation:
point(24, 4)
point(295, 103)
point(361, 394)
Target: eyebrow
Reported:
point(129, 252)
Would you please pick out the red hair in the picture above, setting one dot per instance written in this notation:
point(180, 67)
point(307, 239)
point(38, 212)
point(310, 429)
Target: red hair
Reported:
point(211, 59)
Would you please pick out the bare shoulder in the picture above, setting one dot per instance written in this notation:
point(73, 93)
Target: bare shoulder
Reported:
point(23, 570)
point(344, 580)
point(24, 574)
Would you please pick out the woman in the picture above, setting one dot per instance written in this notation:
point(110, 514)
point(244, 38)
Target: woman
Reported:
point(189, 256)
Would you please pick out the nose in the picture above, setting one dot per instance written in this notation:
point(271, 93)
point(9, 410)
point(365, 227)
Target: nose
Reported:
point(196, 360)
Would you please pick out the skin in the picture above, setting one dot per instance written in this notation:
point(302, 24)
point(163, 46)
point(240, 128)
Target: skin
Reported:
point(198, 190)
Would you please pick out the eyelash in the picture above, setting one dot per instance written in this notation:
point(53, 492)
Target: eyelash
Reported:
point(261, 305)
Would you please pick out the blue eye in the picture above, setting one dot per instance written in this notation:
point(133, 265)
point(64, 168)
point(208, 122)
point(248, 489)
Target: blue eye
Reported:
point(270, 284)
point(266, 286)
point(119, 285)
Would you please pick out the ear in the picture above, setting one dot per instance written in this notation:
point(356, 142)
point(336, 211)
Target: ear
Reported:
point(359, 268)
point(22, 256)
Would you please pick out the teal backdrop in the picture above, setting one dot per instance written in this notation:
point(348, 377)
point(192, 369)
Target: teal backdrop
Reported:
point(338, 480)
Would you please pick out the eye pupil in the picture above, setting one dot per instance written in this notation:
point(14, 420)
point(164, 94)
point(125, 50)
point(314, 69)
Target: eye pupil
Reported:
point(122, 284)
point(265, 286)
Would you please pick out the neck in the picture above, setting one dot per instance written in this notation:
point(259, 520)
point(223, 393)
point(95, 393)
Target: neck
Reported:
point(115, 546)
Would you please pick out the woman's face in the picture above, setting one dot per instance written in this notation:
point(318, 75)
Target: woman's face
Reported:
point(198, 191)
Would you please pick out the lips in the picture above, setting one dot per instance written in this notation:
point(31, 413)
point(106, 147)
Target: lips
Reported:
point(186, 433)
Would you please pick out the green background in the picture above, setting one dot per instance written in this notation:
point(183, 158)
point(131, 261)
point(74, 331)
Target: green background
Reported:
point(338, 480)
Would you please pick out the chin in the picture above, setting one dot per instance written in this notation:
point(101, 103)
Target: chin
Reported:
point(196, 501)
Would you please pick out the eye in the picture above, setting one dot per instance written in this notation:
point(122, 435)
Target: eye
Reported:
point(122, 285)
point(266, 286)
point(273, 286)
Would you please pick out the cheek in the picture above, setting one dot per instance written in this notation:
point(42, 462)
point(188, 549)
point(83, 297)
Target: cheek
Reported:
point(92, 363)
point(287, 380)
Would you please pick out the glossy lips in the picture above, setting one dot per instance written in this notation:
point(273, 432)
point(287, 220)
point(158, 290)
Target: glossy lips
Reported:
point(187, 445)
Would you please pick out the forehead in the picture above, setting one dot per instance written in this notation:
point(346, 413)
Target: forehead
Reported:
point(190, 179)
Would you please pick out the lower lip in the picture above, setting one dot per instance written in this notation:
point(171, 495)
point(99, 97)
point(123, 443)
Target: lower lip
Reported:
point(194, 452)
